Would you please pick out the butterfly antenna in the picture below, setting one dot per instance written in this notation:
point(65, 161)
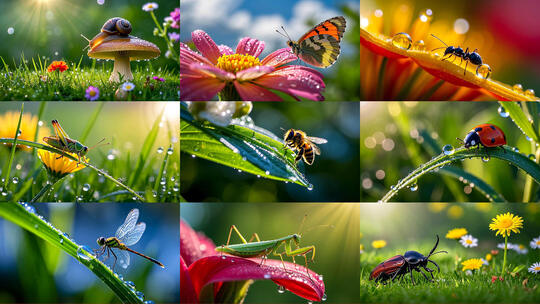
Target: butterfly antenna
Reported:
point(439, 39)
point(281, 34)
point(99, 143)
point(283, 28)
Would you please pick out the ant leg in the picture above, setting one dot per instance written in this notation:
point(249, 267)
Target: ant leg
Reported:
point(465, 70)
point(446, 57)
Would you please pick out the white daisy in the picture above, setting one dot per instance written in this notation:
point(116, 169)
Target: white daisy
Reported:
point(535, 268)
point(535, 243)
point(484, 262)
point(468, 272)
point(468, 241)
point(521, 249)
point(150, 6)
point(501, 245)
point(128, 86)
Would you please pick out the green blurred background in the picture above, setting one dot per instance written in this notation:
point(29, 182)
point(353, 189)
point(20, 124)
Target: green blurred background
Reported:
point(393, 140)
point(33, 271)
point(52, 28)
point(337, 247)
point(334, 174)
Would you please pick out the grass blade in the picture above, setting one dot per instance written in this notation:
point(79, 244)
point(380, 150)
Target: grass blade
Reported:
point(25, 217)
point(91, 122)
point(520, 119)
point(479, 184)
point(13, 148)
point(505, 153)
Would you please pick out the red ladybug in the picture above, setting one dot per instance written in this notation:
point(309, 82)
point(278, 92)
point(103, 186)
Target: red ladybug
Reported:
point(487, 135)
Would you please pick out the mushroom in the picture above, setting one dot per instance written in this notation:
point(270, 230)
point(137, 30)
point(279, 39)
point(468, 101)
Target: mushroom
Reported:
point(114, 42)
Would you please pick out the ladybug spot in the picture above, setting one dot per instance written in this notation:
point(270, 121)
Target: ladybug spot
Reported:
point(493, 140)
point(478, 129)
point(492, 127)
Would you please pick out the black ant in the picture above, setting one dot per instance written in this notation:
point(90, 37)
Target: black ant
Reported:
point(473, 57)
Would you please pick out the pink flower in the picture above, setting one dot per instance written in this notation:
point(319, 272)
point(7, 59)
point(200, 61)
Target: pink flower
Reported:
point(92, 93)
point(241, 75)
point(174, 18)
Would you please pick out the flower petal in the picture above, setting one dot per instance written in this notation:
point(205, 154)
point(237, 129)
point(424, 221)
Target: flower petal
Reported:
point(279, 57)
point(194, 245)
point(225, 50)
point(199, 88)
point(189, 296)
point(250, 46)
point(188, 56)
point(253, 92)
point(225, 268)
point(206, 45)
point(296, 81)
point(206, 70)
point(254, 72)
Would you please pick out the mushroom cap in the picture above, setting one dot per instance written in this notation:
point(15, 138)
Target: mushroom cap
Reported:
point(136, 48)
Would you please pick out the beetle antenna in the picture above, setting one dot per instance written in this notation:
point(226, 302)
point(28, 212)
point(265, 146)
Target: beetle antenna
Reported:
point(460, 140)
point(439, 40)
point(442, 251)
point(434, 247)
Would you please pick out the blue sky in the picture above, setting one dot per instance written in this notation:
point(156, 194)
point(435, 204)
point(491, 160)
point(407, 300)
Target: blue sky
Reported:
point(227, 21)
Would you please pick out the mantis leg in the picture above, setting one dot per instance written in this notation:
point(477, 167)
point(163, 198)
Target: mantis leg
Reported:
point(256, 236)
point(233, 227)
point(300, 251)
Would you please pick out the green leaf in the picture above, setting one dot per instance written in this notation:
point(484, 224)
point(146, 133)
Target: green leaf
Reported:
point(253, 150)
point(520, 119)
point(478, 183)
point(27, 219)
point(505, 153)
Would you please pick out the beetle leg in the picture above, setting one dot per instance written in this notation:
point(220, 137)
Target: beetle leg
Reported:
point(410, 271)
point(398, 272)
point(438, 268)
point(489, 157)
point(430, 271)
point(425, 276)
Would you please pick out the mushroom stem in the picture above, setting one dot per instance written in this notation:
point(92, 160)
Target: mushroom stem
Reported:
point(121, 67)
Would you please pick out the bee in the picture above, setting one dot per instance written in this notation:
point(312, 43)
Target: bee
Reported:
point(304, 145)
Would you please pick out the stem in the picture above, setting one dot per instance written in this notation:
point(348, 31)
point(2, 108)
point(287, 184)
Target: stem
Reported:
point(121, 67)
point(47, 187)
point(163, 33)
point(504, 260)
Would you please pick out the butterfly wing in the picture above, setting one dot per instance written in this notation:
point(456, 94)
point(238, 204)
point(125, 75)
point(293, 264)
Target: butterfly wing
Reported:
point(320, 46)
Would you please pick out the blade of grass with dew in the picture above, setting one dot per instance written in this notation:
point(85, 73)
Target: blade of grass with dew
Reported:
point(60, 152)
point(246, 149)
point(91, 122)
point(520, 119)
point(505, 153)
point(145, 151)
point(25, 217)
point(161, 169)
point(13, 148)
point(478, 183)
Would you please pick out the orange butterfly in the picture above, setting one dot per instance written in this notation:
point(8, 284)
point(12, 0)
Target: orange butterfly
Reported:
point(320, 45)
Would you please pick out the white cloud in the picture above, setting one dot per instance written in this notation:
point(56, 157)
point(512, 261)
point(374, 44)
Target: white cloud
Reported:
point(239, 20)
point(203, 13)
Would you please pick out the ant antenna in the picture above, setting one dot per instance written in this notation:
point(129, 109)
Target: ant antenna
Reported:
point(439, 40)
point(98, 144)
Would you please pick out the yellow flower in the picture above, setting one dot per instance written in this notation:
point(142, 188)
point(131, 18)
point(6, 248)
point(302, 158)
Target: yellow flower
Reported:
point(27, 130)
point(59, 166)
point(489, 257)
point(456, 233)
point(378, 244)
point(361, 248)
point(437, 207)
point(398, 62)
point(455, 212)
point(472, 264)
point(506, 223)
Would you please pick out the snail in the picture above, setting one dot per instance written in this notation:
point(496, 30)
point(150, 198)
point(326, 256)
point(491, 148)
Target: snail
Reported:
point(114, 28)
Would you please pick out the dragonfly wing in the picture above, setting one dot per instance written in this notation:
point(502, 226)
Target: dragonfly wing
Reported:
point(134, 235)
point(123, 258)
point(60, 133)
point(128, 225)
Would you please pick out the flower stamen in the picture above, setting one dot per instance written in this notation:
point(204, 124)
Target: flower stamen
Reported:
point(237, 62)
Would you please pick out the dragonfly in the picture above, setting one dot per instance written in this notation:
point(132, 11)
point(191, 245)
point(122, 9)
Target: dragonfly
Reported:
point(126, 235)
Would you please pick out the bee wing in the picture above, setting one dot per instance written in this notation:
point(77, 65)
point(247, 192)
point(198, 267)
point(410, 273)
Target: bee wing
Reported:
point(317, 140)
point(316, 149)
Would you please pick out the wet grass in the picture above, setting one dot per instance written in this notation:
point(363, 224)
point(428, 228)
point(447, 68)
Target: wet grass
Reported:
point(452, 285)
point(30, 80)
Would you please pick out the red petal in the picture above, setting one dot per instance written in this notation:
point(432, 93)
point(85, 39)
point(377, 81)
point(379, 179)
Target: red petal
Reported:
point(187, 291)
point(193, 245)
point(213, 269)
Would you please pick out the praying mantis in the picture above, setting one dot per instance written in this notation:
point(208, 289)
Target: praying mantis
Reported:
point(262, 249)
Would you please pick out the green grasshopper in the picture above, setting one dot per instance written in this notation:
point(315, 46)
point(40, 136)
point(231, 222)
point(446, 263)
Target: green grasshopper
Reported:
point(63, 142)
point(264, 248)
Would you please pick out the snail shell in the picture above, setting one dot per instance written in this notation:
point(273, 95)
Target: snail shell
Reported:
point(114, 28)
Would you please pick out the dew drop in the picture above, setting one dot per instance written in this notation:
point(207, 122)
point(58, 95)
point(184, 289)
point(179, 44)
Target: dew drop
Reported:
point(515, 149)
point(10, 31)
point(483, 71)
point(485, 158)
point(503, 112)
point(139, 295)
point(267, 276)
point(402, 41)
point(419, 45)
point(84, 253)
point(170, 151)
point(393, 187)
point(324, 297)
point(100, 2)
point(281, 289)
point(413, 187)
point(530, 94)
point(160, 150)
point(15, 180)
point(518, 88)
point(86, 187)
point(148, 302)
point(130, 284)
point(531, 157)
point(448, 150)
point(61, 241)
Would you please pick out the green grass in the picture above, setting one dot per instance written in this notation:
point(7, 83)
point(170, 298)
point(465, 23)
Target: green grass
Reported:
point(29, 80)
point(452, 285)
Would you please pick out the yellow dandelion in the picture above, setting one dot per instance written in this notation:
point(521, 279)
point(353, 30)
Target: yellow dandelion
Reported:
point(398, 62)
point(456, 233)
point(27, 130)
point(58, 166)
point(506, 223)
point(489, 257)
point(472, 264)
point(455, 212)
point(378, 244)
